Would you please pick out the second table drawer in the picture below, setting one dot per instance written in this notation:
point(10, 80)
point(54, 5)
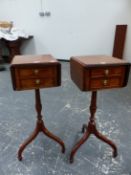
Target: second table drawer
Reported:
point(37, 83)
point(105, 83)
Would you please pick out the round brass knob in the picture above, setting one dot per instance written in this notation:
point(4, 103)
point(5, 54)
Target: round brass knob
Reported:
point(37, 81)
point(36, 71)
point(106, 72)
point(105, 82)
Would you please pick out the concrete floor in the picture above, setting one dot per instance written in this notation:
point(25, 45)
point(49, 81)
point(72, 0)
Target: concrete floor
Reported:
point(65, 109)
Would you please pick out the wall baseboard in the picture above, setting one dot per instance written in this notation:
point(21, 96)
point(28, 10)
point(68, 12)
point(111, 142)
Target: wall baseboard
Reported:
point(63, 60)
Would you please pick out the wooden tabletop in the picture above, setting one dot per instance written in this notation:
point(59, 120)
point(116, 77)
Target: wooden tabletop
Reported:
point(33, 59)
point(98, 60)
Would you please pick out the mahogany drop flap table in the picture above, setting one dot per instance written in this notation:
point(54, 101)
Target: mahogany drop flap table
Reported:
point(92, 73)
point(35, 72)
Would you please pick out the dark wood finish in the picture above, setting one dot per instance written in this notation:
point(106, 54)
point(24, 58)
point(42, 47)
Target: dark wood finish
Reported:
point(14, 46)
point(99, 72)
point(119, 41)
point(40, 127)
point(25, 71)
point(90, 128)
point(33, 72)
point(90, 73)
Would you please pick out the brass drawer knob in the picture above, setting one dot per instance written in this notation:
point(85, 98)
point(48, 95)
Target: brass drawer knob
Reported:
point(37, 81)
point(105, 82)
point(36, 71)
point(106, 72)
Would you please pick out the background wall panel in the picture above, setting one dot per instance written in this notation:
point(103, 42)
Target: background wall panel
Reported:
point(74, 27)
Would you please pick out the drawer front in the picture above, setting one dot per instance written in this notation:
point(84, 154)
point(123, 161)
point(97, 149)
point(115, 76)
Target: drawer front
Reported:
point(105, 77)
point(37, 83)
point(107, 71)
point(105, 83)
point(25, 73)
point(27, 78)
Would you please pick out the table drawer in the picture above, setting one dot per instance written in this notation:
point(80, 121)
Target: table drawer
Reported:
point(37, 83)
point(25, 73)
point(107, 71)
point(35, 71)
point(105, 83)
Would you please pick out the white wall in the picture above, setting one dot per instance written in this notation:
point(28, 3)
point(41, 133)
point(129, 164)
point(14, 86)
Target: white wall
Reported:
point(127, 50)
point(75, 27)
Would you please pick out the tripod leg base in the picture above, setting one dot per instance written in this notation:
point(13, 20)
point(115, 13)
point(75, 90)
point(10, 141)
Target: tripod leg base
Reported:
point(107, 141)
point(27, 142)
point(55, 138)
point(39, 128)
point(87, 130)
point(78, 144)
point(91, 129)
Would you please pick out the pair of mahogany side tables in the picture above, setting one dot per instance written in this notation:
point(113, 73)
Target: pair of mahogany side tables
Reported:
point(89, 73)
